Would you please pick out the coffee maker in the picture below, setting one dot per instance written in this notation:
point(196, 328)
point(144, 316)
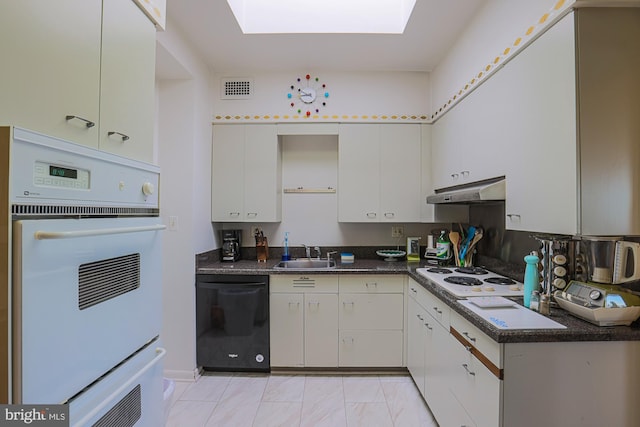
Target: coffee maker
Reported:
point(231, 244)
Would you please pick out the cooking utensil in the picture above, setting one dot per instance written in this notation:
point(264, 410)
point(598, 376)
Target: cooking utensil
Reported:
point(475, 240)
point(454, 238)
point(465, 244)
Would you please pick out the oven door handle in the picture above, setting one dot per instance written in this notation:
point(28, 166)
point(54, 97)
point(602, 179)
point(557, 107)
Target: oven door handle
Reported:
point(48, 235)
point(160, 353)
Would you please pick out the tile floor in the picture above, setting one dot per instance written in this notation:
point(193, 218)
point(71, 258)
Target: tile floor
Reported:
point(265, 400)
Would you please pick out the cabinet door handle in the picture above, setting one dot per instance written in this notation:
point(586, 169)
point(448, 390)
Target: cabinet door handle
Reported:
point(429, 327)
point(466, 368)
point(316, 303)
point(345, 303)
point(389, 214)
point(413, 290)
point(437, 311)
point(350, 339)
point(419, 317)
point(454, 176)
point(87, 123)
point(294, 304)
point(466, 334)
point(252, 214)
point(374, 284)
point(371, 214)
point(464, 174)
point(513, 216)
point(122, 135)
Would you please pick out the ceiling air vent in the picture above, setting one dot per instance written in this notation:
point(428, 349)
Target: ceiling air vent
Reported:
point(236, 88)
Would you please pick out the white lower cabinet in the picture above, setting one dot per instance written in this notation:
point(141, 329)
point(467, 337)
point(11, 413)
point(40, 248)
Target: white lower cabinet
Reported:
point(474, 385)
point(371, 320)
point(428, 358)
point(369, 348)
point(417, 338)
point(320, 326)
point(303, 317)
point(459, 389)
point(317, 323)
point(286, 323)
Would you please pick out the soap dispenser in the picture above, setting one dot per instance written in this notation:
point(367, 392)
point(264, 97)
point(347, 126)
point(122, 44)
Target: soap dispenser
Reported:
point(531, 282)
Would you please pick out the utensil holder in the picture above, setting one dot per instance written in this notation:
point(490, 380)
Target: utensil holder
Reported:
point(262, 249)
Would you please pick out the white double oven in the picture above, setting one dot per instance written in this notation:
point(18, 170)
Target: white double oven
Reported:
point(86, 284)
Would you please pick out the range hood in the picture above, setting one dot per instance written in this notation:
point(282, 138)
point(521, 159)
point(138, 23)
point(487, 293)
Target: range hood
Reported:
point(474, 192)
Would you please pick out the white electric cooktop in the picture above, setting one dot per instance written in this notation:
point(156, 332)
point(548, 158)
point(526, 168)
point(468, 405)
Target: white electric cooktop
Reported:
point(472, 281)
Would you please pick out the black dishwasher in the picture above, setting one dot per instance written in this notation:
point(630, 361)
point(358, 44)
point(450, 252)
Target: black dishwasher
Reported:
point(232, 322)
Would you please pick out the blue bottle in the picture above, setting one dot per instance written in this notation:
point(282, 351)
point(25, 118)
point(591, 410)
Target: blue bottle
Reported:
point(531, 282)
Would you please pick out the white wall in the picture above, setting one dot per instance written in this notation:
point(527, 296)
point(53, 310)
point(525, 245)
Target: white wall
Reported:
point(184, 152)
point(496, 27)
point(350, 94)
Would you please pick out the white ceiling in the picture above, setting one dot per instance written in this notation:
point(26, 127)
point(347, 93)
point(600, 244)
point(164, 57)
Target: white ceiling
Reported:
point(211, 27)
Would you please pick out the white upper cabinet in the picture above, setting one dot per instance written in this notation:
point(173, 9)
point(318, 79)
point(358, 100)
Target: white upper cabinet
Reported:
point(78, 70)
point(541, 133)
point(246, 176)
point(51, 67)
point(379, 173)
point(520, 123)
point(127, 81)
point(466, 144)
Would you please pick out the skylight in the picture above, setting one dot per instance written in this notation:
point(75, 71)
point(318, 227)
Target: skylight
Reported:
point(322, 16)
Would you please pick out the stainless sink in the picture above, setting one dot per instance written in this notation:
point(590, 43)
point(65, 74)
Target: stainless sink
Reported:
point(306, 264)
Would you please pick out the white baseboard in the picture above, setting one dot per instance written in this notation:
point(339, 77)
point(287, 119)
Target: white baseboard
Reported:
point(180, 375)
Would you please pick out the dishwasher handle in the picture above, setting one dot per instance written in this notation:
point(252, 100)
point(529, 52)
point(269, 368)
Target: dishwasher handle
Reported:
point(222, 285)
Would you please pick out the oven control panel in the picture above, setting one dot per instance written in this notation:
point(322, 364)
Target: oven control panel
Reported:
point(52, 175)
point(53, 172)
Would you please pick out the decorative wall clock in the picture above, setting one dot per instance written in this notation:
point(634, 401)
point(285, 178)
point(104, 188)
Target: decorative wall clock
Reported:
point(307, 95)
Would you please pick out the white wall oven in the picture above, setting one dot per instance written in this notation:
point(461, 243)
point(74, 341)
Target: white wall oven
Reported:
point(85, 282)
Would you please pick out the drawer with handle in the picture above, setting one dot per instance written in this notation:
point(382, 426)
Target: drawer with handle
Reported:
point(324, 283)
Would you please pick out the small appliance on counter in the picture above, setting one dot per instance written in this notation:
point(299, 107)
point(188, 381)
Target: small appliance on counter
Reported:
point(602, 305)
point(608, 260)
point(413, 248)
point(231, 244)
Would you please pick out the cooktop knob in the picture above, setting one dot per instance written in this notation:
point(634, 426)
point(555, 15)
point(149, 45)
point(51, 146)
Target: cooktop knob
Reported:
point(148, 188)
point(594, 295)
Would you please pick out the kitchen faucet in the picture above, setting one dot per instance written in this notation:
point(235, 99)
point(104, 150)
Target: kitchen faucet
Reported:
point(307, 250)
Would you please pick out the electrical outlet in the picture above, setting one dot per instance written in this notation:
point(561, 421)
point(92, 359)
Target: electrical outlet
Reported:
point(397, 231)
point(173, 223)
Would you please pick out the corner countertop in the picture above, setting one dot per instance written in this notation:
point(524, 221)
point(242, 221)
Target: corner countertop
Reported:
point(577, 329)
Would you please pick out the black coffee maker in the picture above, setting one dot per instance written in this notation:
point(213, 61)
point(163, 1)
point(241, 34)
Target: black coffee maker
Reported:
point(231, 244)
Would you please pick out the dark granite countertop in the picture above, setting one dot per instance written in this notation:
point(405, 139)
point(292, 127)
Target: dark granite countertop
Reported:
point(577, 330)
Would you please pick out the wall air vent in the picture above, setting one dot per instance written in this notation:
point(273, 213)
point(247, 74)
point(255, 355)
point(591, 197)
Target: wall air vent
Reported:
point(236, 88)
